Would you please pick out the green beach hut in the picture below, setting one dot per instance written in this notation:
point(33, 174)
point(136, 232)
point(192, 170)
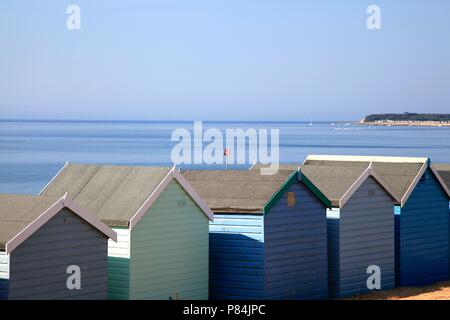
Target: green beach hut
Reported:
point(161, 223)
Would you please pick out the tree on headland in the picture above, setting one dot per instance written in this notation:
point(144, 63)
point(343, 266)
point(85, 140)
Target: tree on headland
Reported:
point(406, 116)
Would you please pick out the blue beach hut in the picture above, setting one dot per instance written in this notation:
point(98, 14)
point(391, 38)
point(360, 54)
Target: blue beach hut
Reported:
point(442, 171)
point(360, 227)
point(421, 214)
point(268, 239)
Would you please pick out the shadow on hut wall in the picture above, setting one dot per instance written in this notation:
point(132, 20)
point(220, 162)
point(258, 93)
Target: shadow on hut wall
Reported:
point(236, 269)
point(4, 285)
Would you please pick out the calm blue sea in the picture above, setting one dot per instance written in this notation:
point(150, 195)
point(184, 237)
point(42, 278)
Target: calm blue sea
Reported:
point(32, 152)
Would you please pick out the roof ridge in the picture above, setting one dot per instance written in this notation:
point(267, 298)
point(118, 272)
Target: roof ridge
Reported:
point(385, 159)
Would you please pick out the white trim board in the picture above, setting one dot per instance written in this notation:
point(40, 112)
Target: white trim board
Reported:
point(122, 247)
point(333, 213)
point(4, 265)
point(367, 158)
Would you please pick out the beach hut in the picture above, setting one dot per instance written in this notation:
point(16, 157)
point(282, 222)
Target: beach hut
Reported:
point(268, 238)
point(162, 226)
point(360, 227)
point(443, 172)
point(421, 214)
point(50, 248)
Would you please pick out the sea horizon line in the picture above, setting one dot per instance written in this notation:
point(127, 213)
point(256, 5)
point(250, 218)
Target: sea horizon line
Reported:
point(172, 121)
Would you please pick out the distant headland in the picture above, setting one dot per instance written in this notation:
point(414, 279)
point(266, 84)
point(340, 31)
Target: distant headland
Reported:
point(407, 119)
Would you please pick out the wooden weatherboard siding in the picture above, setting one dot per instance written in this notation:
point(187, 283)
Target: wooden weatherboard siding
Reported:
point(4, 275)
point(38, 266)
point(295, 247)
point(119, 265)
point(333, 239)
point(279, 255)
point(422, 235)
point(118, 278)
point(362, 236)
point(237, 256)
point(169, 249)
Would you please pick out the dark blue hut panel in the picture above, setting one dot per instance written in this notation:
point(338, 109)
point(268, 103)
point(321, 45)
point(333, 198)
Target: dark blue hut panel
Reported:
point(366, 238)
point(236, 257)
point(296, 247)
point(333, 251)
point(423, 235)
point(270, 243)
point(4, 287)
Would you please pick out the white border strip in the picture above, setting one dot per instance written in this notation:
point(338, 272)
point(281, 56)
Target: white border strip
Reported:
point(333, 213)
point(4, 261)
point(367, 158)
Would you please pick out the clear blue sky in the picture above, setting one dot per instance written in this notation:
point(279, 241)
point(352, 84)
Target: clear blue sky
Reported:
point(223, 59)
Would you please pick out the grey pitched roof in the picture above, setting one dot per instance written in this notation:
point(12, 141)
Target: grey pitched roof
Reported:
point(113, 193)
point(442, 166)
point(281, 166)
point(444, 171)
point(398, 175)
point(236, 191)
point(18, 211)
point(333, 181)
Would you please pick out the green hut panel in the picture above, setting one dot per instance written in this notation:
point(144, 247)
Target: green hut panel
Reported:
point(161, 224)
point(171, 240)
